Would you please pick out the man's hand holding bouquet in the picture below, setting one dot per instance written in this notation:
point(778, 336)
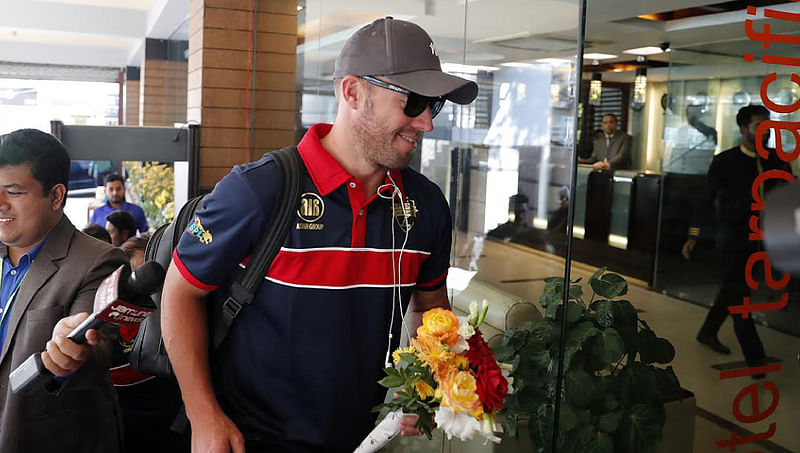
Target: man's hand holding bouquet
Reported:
point(448, 377)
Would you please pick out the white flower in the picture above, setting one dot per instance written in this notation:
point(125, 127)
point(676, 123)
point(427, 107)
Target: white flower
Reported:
point(465, 331)
point(506, 369)
point(461, 425)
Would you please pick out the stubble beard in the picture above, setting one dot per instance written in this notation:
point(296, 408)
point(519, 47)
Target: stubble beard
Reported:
point(375, 145)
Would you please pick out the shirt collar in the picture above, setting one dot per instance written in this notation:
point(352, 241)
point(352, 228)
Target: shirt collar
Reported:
point(30, 255)
point(325, 171)
point(747, 152)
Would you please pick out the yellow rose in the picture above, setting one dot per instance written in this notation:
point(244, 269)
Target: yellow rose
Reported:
point(441, 324)
point(459, 392)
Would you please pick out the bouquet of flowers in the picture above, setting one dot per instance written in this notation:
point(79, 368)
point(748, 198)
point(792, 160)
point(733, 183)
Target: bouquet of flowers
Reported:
point(447, 376)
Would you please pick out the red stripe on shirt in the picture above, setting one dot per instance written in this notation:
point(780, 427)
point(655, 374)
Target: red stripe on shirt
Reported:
point(435, 282)
point(188, 275)
point(343, 268)
point(126, 375)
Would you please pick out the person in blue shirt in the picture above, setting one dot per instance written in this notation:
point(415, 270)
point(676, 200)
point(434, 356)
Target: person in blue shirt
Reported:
point(115, 196)
point(50, 273)
point(370, 242)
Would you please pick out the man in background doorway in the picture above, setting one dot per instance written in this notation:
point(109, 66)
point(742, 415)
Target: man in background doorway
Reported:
point(612, 150)
point(115, 196)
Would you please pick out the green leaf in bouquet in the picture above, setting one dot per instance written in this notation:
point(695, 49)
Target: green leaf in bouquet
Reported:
point(528, 399)
point(409, 358)
point(609, 286)
point(609, 346)
point(392, 380)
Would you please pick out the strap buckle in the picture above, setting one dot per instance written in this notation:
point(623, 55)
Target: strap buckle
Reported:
point(230, 309)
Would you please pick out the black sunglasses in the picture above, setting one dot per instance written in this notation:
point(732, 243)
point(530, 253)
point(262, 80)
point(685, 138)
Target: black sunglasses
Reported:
point(416, 103)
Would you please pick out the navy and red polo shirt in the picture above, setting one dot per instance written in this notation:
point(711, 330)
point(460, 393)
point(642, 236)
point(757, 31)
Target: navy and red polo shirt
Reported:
point(302, 361)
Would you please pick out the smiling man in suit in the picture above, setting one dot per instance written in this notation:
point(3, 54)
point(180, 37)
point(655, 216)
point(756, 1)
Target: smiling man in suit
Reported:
point(612, 150)
point(49, 276)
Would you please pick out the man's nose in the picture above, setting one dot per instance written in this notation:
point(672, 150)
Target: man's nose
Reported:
point(423, 121)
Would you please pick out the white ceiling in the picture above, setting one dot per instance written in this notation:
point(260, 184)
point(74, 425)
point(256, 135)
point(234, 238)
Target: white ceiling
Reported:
point(110, 32)
point(86, 32)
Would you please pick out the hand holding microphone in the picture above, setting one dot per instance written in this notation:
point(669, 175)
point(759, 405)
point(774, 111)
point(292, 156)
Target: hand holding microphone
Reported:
point(120, 300)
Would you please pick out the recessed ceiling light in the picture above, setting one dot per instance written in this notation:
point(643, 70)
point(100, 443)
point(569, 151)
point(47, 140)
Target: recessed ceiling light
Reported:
point(516, 64)
point(598, 56)
point(649, 50)
point(554, 61)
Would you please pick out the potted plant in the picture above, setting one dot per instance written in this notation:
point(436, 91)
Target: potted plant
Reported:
point(613, 392)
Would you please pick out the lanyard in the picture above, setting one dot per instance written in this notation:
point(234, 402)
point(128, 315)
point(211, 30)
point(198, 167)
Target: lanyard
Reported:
point(7, 307)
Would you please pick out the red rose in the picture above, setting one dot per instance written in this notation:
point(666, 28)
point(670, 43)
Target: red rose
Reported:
point(478, 352)
point(492, 387)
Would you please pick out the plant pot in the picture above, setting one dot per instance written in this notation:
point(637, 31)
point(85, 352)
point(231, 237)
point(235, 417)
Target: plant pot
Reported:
point(678, 432)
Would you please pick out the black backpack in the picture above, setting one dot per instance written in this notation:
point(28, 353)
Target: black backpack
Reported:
point(148, 354)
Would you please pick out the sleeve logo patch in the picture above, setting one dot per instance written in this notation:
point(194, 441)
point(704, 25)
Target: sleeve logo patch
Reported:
point(196, 229)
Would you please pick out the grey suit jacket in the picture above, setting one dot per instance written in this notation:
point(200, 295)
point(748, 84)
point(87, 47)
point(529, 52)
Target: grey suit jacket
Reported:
point(83, 415)
point(618, 152)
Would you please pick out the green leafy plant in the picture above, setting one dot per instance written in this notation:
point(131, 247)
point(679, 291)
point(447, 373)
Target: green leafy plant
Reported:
point(151, 187)
point(612, 393)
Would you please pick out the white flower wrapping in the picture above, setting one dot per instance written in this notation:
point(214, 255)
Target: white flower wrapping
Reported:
point(381, 434)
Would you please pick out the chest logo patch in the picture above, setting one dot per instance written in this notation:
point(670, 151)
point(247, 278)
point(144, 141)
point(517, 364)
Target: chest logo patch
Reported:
point(196, 229)
point(311, 209)
point(405, 214)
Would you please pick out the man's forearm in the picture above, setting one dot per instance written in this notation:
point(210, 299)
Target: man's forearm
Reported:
point(185, 332)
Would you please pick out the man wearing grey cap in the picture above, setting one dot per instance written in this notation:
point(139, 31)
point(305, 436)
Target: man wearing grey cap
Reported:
point(371, 242)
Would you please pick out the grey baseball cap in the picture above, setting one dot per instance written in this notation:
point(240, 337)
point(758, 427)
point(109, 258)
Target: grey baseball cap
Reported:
point(403, 54)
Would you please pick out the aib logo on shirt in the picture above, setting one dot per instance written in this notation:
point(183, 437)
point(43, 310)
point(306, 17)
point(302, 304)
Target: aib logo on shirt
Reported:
point(196, 229)
point(310, 210)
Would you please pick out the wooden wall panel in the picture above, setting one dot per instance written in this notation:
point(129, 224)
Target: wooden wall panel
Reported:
point(218, 81)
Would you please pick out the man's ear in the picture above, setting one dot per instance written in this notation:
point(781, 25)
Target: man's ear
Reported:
point(352, 91)
point(57, 195)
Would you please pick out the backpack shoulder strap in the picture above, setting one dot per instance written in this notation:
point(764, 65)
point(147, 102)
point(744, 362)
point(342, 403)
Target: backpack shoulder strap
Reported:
point(269, 244)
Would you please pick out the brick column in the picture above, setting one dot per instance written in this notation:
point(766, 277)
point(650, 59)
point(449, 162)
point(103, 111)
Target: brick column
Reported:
point(218, 95)
point(130, 104)
point(163, 83)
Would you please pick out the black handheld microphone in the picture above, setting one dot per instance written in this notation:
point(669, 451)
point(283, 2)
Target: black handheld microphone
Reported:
point(122, 299)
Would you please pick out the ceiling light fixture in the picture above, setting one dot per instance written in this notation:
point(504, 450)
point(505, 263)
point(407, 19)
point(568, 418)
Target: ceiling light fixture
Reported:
point(595, 88)
point(649, 50)
point(598, 56)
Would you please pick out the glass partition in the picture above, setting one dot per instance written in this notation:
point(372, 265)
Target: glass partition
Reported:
point(503, 163)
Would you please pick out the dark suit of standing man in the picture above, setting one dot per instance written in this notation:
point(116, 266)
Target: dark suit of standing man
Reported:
point(50, 273)
point(612, 150)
